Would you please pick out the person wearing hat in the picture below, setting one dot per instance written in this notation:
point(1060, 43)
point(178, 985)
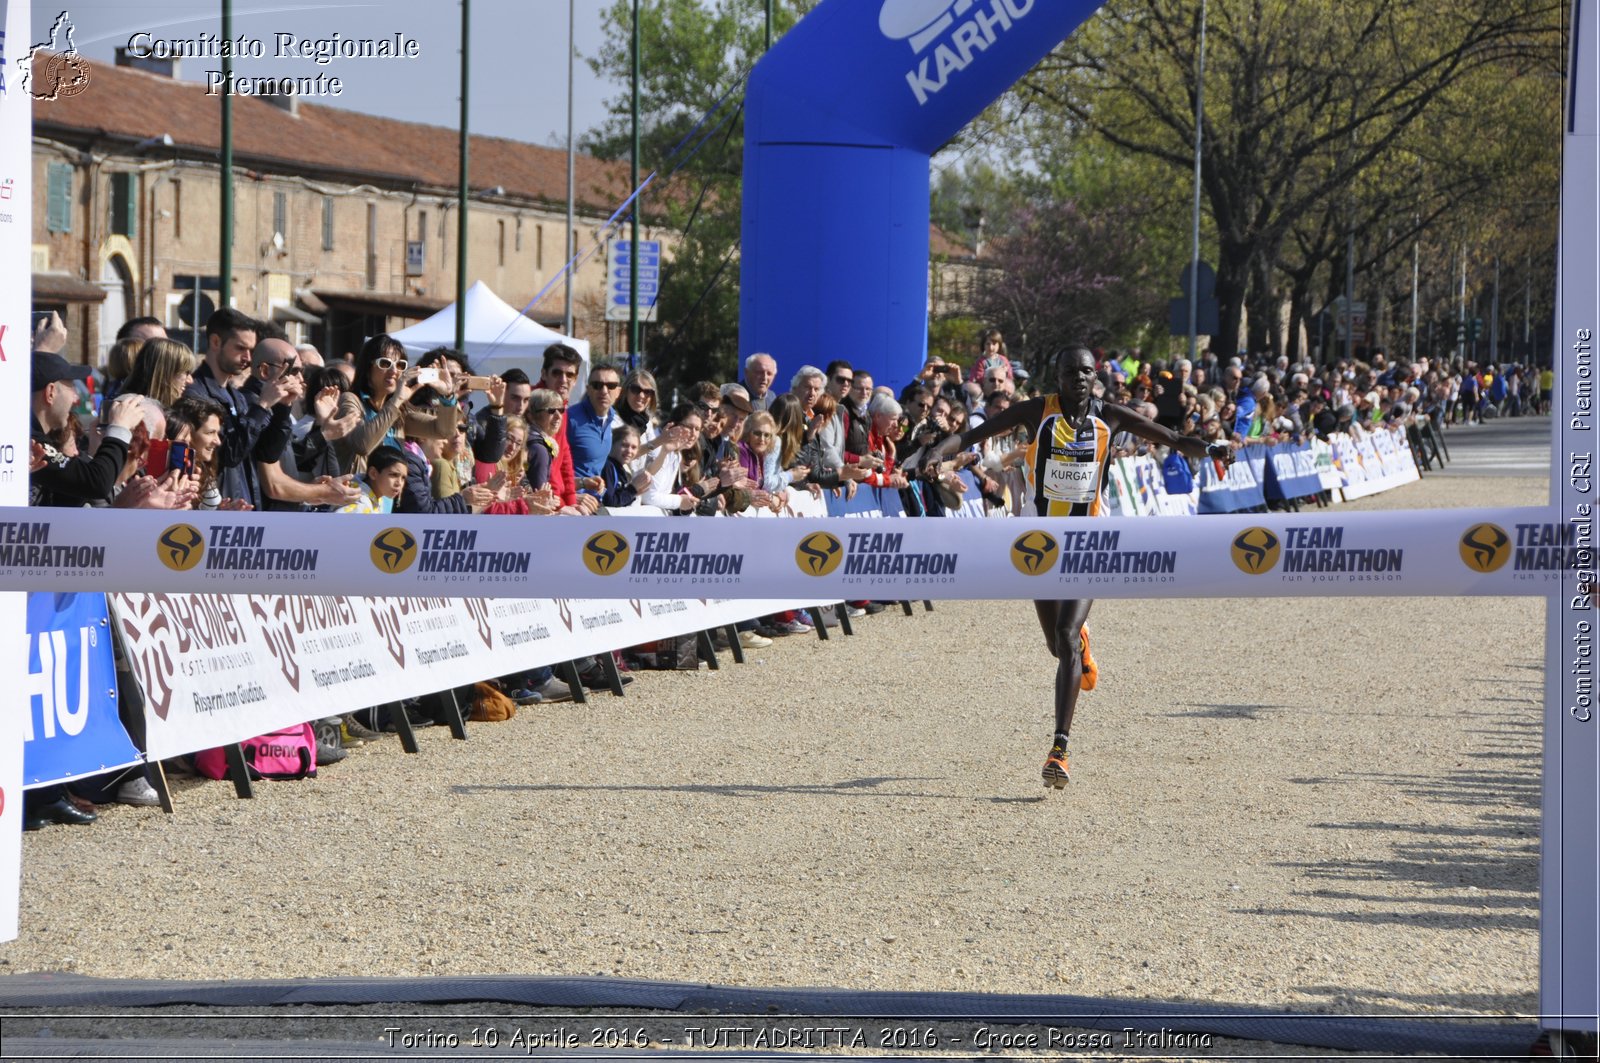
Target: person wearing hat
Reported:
point(63, 479)
point(589, 424)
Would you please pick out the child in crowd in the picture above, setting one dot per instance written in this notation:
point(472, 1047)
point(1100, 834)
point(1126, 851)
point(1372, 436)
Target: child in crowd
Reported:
point(382, 482)
point(622, 489)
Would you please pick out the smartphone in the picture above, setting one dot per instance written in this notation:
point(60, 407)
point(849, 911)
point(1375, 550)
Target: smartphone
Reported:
point(479, 383)
point(39, 318)
point(179, 457)
point(155, 462)
point(427, 376)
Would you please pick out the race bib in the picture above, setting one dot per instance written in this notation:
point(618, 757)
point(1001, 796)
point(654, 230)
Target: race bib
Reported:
point(1071, 481)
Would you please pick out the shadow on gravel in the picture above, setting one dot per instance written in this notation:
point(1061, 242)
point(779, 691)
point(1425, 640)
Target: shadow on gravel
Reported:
point(1463, 876)
point(846, 788)
point(1452, 1005)
point(1225, 712)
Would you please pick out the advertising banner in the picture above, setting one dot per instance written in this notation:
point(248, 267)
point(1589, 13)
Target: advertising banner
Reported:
point(428, 558)
point(218, 668)
point(72, 726)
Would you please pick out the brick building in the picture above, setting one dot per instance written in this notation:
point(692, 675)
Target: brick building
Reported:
point(344, 223)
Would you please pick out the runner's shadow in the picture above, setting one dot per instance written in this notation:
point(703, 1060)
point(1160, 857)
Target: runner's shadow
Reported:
point(1224, 712)
point(870, 786)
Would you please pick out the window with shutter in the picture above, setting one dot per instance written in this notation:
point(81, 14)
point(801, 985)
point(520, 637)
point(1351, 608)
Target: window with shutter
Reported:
point(327, 223)
point(124, 204)
point(280, 214)
point(59, 214)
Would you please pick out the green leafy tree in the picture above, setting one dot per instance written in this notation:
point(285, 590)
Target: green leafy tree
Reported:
point(1301, 100)
point(693, 55)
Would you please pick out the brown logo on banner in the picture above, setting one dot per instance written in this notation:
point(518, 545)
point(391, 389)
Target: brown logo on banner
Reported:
point(818, 554)
point(150, 641)
point(1256, 550)
point(564, 610)
point(278, 626)
point(478, 609)
point(386, 618)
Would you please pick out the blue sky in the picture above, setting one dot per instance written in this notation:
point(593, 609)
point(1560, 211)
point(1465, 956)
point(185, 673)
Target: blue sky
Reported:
point(519, 80)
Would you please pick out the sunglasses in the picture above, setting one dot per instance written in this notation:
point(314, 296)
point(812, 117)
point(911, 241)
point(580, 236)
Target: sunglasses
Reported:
point(393, 363)
point(635, 389)
point(760, 435)
point(844, 380)
point(604, 385)
point(289, 369)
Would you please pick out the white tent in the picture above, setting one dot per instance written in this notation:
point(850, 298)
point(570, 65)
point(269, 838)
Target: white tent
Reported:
point(497, 337)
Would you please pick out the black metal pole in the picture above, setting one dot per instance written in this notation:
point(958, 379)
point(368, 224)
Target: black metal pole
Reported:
point(225, 253)
point(633, 245)
point(461, 186)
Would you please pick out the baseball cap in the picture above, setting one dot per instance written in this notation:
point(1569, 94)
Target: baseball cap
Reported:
point(738, 402)
point(52, 369)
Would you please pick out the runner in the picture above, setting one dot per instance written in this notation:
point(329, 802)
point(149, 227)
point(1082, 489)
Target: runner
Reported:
point(1066, 466)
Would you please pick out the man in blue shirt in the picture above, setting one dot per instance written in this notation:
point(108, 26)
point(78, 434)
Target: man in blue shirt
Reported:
point(589, 424)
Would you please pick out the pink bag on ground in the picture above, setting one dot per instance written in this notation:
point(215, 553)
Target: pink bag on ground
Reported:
point(287, 754)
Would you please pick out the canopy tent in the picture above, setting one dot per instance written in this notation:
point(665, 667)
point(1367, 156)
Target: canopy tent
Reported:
point(497, 337)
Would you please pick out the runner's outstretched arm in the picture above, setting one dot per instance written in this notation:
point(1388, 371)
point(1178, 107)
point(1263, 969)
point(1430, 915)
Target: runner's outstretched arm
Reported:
point(1013, 416)
point(1128, 420)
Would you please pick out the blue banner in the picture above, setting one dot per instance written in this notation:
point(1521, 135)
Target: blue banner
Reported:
point(73, 729)
point(1240, 490)
point(1292, 471)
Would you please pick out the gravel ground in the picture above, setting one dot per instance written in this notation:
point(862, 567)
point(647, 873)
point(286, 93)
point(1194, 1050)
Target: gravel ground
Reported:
point(1335, 810)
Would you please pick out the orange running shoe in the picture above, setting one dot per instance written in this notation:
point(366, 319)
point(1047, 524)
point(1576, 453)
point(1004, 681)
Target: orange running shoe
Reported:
point(1091, 671)
point(1055, 767)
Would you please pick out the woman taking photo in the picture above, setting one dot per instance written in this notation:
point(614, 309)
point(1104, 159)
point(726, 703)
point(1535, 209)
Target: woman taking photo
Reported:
point(378, 401)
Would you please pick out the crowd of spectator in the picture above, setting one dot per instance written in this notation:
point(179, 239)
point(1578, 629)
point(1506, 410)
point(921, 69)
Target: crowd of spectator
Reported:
point(256, 422)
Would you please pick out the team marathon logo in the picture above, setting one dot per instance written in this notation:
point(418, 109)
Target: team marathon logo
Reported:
point(873, 558)
point(1095, 554)
point(241, 551)
point(658, 558)
point(25, 546)
point(965, 29)
point(393, 550)
point(1534, 551)
point(451, 556)
point(1314, 554)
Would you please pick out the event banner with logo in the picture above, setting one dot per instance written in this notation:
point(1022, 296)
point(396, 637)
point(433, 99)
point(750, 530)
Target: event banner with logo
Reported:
point(218, 668)
point(1433, 552)
point(72, 727)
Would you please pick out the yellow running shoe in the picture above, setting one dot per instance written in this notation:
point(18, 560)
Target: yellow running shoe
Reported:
point(1091, 671)
point(1055, 767)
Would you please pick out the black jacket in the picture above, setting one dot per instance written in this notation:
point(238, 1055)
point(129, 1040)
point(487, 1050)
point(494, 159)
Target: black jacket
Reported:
point(249, 434)
point(68, 482)
point(417, 497)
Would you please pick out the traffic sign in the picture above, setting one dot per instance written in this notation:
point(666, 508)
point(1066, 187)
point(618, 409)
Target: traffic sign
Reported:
point(619, 268)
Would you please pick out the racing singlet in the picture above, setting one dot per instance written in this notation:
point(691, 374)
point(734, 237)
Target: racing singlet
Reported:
point(1065, 466)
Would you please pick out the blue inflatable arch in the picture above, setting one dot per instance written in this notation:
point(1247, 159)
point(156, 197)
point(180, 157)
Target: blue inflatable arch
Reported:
point(841, 118)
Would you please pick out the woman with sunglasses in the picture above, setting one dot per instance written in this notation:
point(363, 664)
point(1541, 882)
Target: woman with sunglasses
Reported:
point(384, 382)
point(638, 410)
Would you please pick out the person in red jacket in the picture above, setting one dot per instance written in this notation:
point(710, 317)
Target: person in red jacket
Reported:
point(561, 367)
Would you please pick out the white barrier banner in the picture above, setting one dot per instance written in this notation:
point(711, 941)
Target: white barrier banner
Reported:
point(661, 557)
point(218, 668)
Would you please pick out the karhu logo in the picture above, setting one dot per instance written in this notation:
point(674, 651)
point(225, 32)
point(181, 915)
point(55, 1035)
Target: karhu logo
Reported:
point(977, 25)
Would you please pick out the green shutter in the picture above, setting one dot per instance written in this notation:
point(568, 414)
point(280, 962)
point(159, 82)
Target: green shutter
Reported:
point(124, 204)
point(59, 217)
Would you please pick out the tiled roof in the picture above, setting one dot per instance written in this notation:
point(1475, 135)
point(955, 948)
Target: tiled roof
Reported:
point(134, 104)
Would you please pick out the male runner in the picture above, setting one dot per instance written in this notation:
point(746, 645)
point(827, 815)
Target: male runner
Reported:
point(1066, 466)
